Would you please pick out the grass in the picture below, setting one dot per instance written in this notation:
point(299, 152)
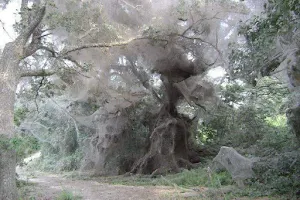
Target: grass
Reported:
point(217, 185)
point(67, 195)
point(186, 179)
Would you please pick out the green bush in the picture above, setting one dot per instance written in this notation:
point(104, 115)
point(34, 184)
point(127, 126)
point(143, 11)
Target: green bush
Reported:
point(20, 115)
point(66, 195)
point(186, 178)
point(279, 174)
point(200, 177)
point(25, 146)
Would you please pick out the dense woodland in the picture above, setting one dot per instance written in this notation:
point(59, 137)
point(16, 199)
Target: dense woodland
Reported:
point(154, 88)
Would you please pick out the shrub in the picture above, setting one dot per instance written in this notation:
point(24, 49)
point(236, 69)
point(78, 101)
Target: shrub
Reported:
point(66, 195)
point(200, 176)
point(278, 174)
point(25, 146)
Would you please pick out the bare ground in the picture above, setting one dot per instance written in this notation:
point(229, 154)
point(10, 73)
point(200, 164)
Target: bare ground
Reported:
point(45, 186)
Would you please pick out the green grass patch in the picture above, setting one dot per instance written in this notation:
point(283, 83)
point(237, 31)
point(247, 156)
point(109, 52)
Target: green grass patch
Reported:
point(187, 178)
point(67, 195)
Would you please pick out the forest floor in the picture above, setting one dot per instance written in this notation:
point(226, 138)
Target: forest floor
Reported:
point(36, 185)
point(46, 186)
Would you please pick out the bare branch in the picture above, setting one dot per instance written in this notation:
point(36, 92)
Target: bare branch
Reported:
point(203, 41)
point(199, 21)
point(50, 50)
point(41, 83)
point(76, 71)
point(88, 32)
point(2, 24)
point(106, 45)
point(38, 72)
point(99, 45)
point(144, 82)
point(69, 58)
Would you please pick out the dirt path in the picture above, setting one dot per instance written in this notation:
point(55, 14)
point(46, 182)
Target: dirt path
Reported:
point(46, 186)
point(49, 186)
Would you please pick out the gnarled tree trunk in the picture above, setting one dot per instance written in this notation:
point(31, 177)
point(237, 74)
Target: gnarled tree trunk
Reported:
point(169, 149)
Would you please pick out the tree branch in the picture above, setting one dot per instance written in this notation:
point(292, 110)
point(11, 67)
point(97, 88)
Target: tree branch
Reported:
point(32, 26)
point(98, 45)
point(201, 40)
point(144, 82)
point(200, 21)
point(3, 27)
point(38, 72)
point(105, 45)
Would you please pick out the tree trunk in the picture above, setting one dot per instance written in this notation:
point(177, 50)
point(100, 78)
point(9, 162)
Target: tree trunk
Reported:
point(10, 74)
point(169, 148)
point(293, 115)
point(8, 189)
point(169, 151)
point(9, 77)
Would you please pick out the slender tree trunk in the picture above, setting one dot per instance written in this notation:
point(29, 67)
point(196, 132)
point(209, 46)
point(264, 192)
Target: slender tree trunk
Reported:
point(9, 77)
point(10, 74)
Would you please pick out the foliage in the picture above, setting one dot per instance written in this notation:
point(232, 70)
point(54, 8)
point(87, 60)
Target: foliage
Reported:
point(206, 134)
point(278, 174)
point(246, 115)
point(25, 146)
point(67, 195)
point(20, 115)
point(201, 176)
point(259, 54)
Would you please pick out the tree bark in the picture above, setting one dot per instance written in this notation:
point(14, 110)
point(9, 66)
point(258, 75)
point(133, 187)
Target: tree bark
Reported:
point(8, 188)
point(10, 74)
point(9, 77)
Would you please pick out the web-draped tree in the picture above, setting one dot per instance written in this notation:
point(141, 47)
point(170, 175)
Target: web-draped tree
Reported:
point(179, 55)
point(178, 48)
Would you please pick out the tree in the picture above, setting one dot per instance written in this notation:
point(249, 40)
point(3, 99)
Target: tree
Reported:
point(10, 75)
point(271, 48)
point(165, 44)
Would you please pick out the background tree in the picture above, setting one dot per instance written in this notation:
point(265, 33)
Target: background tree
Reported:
point(271, 48)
